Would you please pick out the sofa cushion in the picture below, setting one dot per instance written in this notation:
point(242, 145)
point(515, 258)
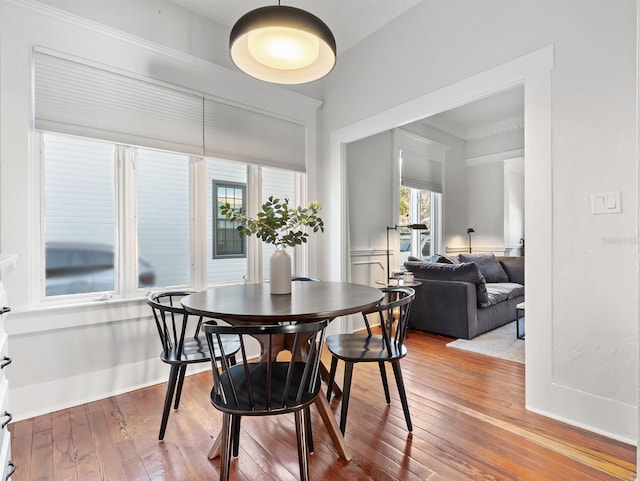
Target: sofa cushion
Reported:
point(494, 296)
point(489, 266)
point(437, 271)
point(514, 267)
point(501, 291)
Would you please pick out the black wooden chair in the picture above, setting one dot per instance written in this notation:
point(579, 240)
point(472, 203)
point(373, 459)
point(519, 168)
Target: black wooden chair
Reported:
point(236, 420)
point(393, 313)
point(182, 344)
point(267, 386)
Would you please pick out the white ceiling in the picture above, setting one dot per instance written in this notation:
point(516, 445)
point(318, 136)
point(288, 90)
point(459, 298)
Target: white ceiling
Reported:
point(349, 20)
point(487, 116)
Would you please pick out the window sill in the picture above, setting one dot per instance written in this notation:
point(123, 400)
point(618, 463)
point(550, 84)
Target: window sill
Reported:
point(54, 316)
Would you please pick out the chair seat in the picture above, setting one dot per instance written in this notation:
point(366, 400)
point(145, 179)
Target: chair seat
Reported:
point(259, 378)
point(363, 348)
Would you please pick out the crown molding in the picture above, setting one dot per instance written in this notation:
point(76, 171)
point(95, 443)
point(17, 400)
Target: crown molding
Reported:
point(496, 128)
point(445, 129)
point(478, 132)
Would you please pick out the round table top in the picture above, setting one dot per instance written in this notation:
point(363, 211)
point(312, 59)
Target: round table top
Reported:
point(307, 301)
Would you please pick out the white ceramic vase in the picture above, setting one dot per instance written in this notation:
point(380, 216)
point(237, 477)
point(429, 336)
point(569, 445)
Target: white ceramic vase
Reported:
point(280, 272)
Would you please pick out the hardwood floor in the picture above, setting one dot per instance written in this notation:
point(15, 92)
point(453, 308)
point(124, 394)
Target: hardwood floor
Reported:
point(467, 410)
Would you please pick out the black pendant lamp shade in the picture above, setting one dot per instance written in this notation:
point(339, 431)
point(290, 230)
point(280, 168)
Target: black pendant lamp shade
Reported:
point(283, 45)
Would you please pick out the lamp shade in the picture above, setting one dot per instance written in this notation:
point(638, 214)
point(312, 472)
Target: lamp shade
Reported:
point(283, 45)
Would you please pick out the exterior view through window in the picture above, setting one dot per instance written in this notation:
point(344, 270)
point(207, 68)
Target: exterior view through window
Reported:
point(79, 215)
point(105, 204)
point(416, 207)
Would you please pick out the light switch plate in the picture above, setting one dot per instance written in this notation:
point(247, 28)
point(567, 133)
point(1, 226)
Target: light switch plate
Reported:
point(606, 203)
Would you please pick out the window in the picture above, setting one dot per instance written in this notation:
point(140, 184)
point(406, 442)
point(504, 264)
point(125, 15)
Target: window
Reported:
point(226, 241)
point(418, 207)
point(81, 195)
point(106, 205)
point(79, 215)
point(163, 216)
point(137, 208)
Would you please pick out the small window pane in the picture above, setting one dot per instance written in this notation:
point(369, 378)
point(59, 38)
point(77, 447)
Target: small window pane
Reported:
point(415, 208)
point(227, 241)
point(164, 219)
point(79, 215)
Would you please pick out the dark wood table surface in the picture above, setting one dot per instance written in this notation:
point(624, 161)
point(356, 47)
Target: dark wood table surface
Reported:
point(308, 301)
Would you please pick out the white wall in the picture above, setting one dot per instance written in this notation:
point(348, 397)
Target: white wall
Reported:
point(370, 193)
point(485, 205)
point(582, 333)
point(370, 208)
point(95, 349)
point(158, 21)
point(514, 205)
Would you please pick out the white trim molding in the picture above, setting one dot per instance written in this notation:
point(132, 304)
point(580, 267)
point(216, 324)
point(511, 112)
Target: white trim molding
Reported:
point(496, 157)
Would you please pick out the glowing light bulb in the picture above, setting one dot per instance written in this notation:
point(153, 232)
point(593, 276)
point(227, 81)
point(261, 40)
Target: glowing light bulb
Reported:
point(283, 48)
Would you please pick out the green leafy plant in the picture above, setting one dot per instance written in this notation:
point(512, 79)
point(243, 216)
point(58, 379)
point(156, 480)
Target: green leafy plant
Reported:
point(277, 223)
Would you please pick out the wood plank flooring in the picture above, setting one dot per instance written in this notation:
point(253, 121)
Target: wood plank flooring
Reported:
point(468, 413)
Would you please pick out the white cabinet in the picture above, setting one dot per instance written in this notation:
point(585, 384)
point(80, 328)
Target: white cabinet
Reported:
point(6, 466)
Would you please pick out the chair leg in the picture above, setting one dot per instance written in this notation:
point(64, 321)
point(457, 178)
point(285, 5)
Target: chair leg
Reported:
point(225, 453)
point(171, 387)
point(385, 384)
point(235, 434)
point(303, 454)
point(332, 377)
point(307, 417)
point(183, 371)
point(346, 391)
point(403, 395)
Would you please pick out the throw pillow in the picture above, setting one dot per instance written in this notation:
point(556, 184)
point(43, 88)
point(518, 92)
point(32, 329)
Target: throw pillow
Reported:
point(443, 259)
point(489, 266)
point(514, 267)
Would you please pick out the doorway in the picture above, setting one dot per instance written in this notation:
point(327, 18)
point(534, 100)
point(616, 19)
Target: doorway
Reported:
point(532, 71)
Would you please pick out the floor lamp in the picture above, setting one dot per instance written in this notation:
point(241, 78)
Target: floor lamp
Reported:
point(395, 227)
point(469, 232)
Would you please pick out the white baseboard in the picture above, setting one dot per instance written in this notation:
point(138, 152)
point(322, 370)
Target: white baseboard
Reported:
point(37, 399)
point(610, 418)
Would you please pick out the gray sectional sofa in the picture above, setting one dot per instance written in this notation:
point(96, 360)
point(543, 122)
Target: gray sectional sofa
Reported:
point(467, 295)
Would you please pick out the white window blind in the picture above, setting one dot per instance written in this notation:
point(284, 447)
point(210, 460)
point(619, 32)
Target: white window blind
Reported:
point(234, 133)
point(421, 173)
point(79, 99)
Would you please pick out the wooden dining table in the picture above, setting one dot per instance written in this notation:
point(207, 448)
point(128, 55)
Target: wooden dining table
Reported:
point(308, 301)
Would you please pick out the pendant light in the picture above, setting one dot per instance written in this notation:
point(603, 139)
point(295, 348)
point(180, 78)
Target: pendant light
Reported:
point(283, 45)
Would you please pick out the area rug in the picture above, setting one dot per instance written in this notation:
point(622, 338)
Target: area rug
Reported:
point(500, 342)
